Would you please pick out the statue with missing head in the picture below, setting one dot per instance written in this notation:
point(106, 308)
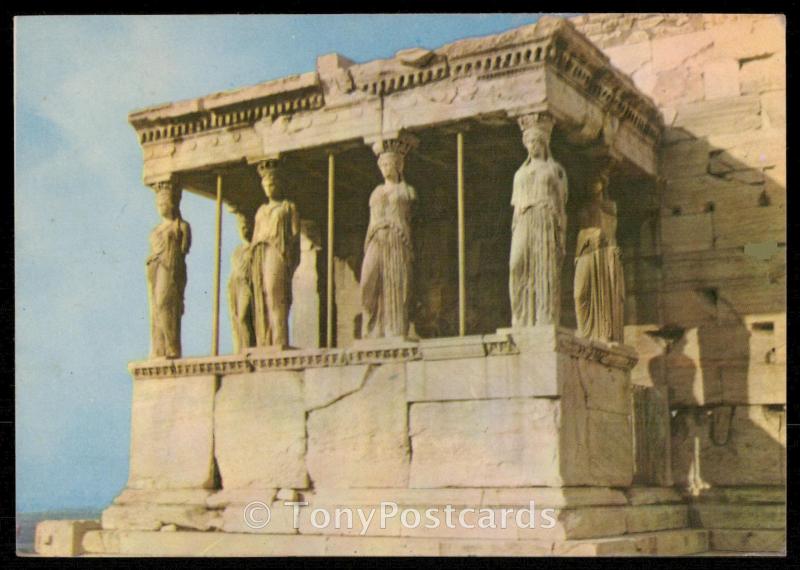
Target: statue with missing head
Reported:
point(240, 287)
point(599, 289)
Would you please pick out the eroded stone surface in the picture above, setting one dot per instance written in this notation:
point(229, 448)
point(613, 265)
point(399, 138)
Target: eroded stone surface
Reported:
point(323, 386)
point(153, 517)
point(510, 442)
point(172, 433)
point(62, 537)
point(260, 432)
point(754, 540)
point(733, 516)
point(250, 518)
point(728, 445)
point(164, 497)
point(648, 518)
point(361, 440)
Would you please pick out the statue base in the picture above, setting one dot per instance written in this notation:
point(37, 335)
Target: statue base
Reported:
point(534, 419)
point(383, 342)
point(262, 350)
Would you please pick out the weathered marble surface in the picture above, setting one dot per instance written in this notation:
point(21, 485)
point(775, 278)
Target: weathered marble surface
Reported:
point(172, 434)
point(729, 445)
point(538, 235)
point(361, 438)
point(599, 288)
point(241, 302)
point(387, 269)
point(63, 537)
point(259, 431)
point(166, 272)
point(275, 252)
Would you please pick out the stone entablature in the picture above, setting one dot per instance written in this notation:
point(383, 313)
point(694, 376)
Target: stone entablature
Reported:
point(228, 109)
point(523, 70)
point(503, 343)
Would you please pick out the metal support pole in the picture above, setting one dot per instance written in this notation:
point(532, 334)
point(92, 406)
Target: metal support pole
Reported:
point(329, 292)
point(217, 263)
point(462, 299)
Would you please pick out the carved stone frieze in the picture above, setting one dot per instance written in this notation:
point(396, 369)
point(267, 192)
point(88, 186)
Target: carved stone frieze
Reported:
point(565, 342)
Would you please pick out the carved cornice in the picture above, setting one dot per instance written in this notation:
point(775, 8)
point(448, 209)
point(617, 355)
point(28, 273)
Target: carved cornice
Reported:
point(582, 64)
point(493, 345)
point(551, 43)
point(238, 114)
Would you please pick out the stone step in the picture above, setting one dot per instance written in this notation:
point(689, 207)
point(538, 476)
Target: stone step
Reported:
point(495, 523)
point(185, 543)
point(680, 542)
point(754, 540)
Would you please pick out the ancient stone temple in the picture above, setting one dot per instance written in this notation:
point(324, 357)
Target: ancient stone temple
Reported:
point(541, 267)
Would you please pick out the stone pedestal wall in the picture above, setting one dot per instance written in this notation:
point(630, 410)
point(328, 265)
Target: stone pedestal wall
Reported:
point(492, 421)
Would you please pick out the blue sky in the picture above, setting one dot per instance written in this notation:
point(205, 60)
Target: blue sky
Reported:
point(82, 215)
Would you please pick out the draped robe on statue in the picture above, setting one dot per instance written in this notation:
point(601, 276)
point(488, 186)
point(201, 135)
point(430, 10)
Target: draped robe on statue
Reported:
point(538, 234)
point(240, 298)
point(166, 279)
point(599, 282)
point(275, 256)
point(388, 258)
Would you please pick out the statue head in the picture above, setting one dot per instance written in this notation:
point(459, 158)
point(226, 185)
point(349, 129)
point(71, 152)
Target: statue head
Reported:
point(536, 143)
point(536, 131)
point(391, 166)
point(391, 155)
point(168, 199)
point(268, 170)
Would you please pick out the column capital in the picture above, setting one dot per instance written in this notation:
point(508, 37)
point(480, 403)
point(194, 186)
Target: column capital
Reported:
point(539, 121)
point(159, 178)
point(400, 142)
point(517, 112)
point(166, 185)
point(256, 160)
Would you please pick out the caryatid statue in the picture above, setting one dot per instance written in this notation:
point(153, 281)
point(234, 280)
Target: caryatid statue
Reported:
point(388, 252)
point(599, 282)
point(166, 273)
point(538, 229)
point(275, 255)
point(240, 287)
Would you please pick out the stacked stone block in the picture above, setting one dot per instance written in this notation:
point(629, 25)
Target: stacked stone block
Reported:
point(720, 81)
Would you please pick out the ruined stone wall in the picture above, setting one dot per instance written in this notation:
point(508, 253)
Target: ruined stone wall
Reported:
point(720, 81)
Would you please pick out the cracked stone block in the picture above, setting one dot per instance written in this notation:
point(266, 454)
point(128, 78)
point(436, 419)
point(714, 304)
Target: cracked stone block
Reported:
point(361, 439)
point(323, 386)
